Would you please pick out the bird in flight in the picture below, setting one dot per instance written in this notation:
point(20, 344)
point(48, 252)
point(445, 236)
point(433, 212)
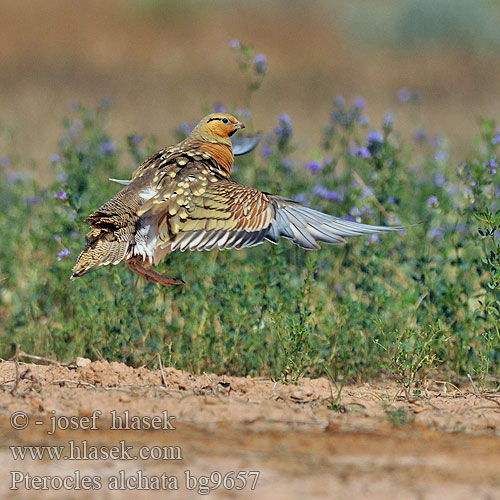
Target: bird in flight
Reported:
point(183, 198)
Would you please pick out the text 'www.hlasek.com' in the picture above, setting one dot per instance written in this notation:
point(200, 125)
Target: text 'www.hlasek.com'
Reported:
point(126, 478)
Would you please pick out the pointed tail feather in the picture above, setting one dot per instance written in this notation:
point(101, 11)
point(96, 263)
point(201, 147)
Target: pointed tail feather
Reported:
point(100, 251)
point(307, 227)
point(125, 182)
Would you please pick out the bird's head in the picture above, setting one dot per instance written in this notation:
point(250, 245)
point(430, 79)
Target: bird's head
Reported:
point(217, 128)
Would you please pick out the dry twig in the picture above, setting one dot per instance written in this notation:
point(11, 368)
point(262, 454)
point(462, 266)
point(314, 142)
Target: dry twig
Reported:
point(476, 392)
point(163, 378)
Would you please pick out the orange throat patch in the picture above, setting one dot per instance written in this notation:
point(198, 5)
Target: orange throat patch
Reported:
point(222, 153)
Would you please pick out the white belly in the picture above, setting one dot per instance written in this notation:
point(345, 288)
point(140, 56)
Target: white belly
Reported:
point(146, 243)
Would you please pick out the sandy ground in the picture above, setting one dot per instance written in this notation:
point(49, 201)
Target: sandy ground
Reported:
point(443, 445)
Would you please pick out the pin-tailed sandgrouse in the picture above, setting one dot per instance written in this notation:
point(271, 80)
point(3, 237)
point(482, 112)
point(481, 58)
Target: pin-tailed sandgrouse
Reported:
point(183, 198)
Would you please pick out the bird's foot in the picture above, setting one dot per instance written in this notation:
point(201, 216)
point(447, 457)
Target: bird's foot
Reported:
point(151, 275)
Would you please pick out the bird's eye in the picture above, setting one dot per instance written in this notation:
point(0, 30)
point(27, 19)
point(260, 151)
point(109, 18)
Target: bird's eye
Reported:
point(225, 121)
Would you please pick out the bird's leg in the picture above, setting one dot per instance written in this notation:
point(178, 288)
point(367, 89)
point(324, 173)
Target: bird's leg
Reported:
point(143, 269)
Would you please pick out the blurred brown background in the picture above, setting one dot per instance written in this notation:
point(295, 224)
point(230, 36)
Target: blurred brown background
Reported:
point(162, 61)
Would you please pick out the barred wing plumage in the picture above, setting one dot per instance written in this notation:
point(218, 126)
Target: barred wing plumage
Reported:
point(214, 212)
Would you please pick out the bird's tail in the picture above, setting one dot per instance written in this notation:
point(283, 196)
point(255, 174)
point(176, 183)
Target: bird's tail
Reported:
point(102, 249)
point(306, 227)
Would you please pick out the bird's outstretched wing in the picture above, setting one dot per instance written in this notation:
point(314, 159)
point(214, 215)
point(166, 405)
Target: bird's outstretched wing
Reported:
point(244, 144)
point(203, 211)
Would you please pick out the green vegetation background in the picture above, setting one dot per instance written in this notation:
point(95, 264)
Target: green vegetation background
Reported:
point(403, 303)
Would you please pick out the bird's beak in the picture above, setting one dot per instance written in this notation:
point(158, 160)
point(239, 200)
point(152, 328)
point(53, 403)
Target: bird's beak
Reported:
point(239, 125)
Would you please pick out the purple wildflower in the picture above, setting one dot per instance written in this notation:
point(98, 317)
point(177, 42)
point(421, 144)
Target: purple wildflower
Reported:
point(372, 240)
point(287, 163)
point(355, 212)
point(320, 190)
point(108, 147)
point(12, 176)
point(463, 171)
point(57, 238)
point(244, 112)
point(433, 202)
point(338, 116)
point(419, 135)
point(328, 161)
point(55, 158)
point(374, 137)
point(388, 121)
point(338, 289)
point(392, 200)
point(63, 254)
point(183, 130)
point(366, 210)
point(284, 121)
point(439, 180)
point(75, 128)
point(359, 103)
point(335, 196)
point(5, 160)
point(404, 94)
point(349, 218)
point(366, 191)
point(325, 193)
point(346, 117)
point(469, 195)
point(218, 107)
point(496, 139)
point(364, 120)
point(260, 64)
point(235, 44)
point(492, 165)
point(339, 101)
point(284, 129)
point(136, 139)
point(185, 127)
point(266, 150)
point(374, 141)
point(360, 152)
point(303, 199)
point(61, 195)
point(407, 95)
point(314, 167)
point(392, 220)
point(436, 233)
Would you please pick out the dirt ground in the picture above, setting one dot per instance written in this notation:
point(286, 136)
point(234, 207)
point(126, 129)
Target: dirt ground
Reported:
point(443, 445)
